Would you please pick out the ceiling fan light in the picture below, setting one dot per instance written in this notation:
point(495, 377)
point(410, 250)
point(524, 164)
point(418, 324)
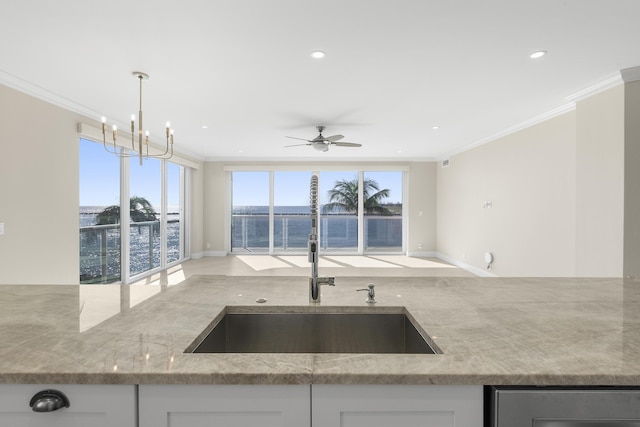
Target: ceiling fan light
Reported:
point(538, 54)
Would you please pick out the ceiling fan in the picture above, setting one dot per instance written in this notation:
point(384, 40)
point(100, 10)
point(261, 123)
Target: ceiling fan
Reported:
point(322, 143)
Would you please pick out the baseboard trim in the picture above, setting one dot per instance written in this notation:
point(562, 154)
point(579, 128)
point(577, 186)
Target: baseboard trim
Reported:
point(422, 254)
point(198, 255)
point(463, 265)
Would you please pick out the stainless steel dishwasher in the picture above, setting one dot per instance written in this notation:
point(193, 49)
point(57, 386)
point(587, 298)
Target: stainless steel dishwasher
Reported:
point(563, 407)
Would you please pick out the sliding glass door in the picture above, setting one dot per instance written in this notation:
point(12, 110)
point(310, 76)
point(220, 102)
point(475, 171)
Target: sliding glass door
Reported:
point(360, 211)
point(100, 239)
point(382, 193)
point(291, 218)
point(144, 215)
point(339, 211)
point(250, 212)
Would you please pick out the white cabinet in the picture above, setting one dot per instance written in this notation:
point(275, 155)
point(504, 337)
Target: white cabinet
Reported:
point(89, 406)
point(397, 406)
point(310, 406)
point(224, 405)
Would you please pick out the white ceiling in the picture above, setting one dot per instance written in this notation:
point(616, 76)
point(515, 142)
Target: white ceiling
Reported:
point(393, 70)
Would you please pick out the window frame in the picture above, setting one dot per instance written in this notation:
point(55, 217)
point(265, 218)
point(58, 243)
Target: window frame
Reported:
point(185, 207)
point(359, 168)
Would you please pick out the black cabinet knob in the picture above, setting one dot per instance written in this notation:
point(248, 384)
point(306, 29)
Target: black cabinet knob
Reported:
point(49, 401)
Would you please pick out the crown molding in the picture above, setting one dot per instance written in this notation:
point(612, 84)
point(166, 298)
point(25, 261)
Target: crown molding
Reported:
point(605, 84)
point(513, 129)
point(627, 75)
point(43, 94)
point(630, 74)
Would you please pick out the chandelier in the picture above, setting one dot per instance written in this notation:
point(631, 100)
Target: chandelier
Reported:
point(142, 150)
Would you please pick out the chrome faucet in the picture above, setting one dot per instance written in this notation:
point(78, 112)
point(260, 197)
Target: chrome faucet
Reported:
point(314, 280)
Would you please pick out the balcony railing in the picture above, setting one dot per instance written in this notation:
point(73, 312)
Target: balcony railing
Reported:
point(100, 250)
point(250, 232)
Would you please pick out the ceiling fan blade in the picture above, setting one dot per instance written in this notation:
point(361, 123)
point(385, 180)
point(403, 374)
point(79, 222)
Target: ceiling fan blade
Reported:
point(301, 139)
point(346, 144)
point(295, 145)
point(334, 138)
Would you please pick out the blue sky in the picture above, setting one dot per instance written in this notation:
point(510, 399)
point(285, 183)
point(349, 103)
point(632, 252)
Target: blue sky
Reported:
point(100, 178)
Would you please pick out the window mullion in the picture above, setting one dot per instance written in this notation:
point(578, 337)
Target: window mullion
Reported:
point(271, 213)
point(361, 230)
point(124, 220)
point(164, 206)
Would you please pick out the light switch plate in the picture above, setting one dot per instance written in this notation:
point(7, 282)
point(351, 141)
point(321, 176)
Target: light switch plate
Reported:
point(1, 228)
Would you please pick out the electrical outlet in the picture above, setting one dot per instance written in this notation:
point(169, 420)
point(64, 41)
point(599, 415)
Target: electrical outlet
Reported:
point(419, 245)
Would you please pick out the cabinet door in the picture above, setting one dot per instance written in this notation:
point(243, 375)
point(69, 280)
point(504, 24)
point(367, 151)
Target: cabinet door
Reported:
point(224, 405)
point(89, 406)
point(397, 406)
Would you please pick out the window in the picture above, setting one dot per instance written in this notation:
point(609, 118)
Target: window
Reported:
point(382, 211)
point(175, 217)
point(144, 215)
point(154, 218)
point(270, 211)
point(291, 210)
point(339, 211)
point(250, 212)
point(100, 239)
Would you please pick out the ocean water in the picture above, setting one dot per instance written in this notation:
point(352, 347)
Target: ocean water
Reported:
point(100, 246)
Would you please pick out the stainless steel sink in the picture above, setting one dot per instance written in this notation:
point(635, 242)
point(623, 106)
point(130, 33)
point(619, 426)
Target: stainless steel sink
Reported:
point(277, 332)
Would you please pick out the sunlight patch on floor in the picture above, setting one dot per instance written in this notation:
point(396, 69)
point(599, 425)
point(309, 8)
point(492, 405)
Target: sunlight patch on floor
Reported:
point(412, 262)
point(263, 262)
point(362, 261)
point(303, 261)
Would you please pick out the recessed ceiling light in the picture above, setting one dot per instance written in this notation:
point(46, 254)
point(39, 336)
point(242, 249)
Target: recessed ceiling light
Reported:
point(318, 54)
point(538, 54)
point(435, 127)
point(205, 127)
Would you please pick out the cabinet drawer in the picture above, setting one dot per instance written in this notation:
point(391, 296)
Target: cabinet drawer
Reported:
point(224, 405)
point(89, 406)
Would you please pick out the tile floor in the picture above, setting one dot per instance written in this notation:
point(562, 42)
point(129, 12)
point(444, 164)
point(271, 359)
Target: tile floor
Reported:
point(297, 265)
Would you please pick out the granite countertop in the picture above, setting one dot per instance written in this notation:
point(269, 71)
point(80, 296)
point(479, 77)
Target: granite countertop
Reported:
point(514, 331)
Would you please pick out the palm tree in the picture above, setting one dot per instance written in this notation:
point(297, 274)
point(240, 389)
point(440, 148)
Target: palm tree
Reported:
point(139, 210)
point(343, 197)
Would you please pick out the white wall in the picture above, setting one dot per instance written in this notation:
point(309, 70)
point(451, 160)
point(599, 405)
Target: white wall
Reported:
point(38, 191)
point(422, 209)
point(215, 209)
point(600, 184)
point(529, 177)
